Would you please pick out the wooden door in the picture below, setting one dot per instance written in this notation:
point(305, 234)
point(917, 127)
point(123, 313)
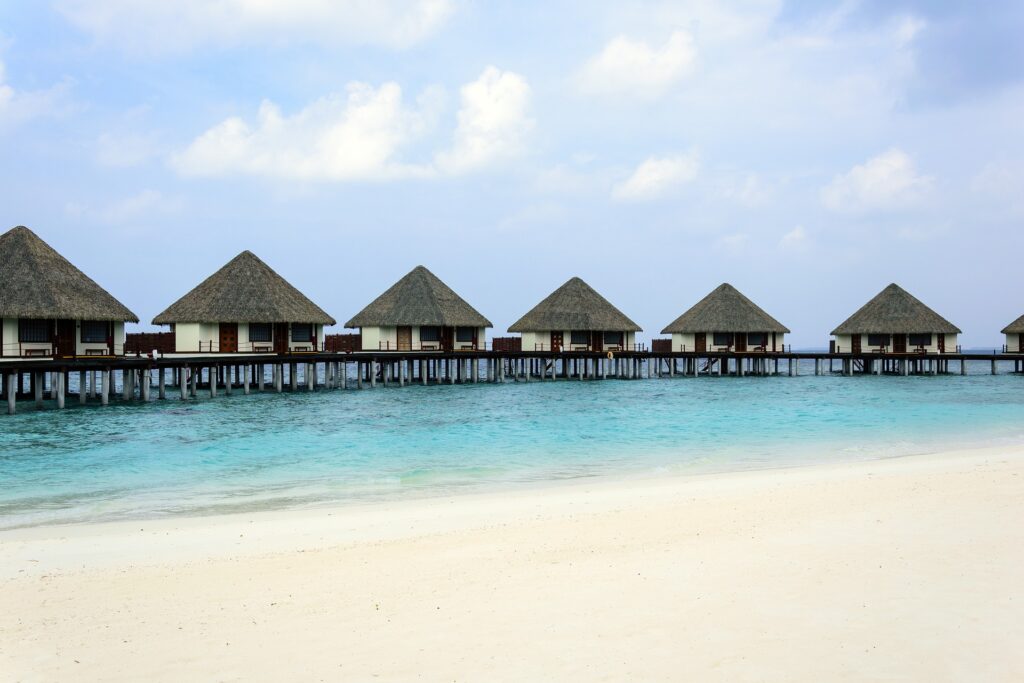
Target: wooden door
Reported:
point(855, 343)
point(280, 337)
point(228, 338)
point(741, 341)
point(899, 343)
point(556, 341)
point(65, 341)
point(404, 338)
point(447, 338)
point(701, 342)
point(597, 341)
point(942, 343)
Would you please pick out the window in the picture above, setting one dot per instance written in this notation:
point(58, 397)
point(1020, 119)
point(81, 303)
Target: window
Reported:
point(464, 334)
point(721, 339)
point(878, 340)
point(33, 330)
point(95, 331)
point(757, 339)
point(920, 340)
point(431, 333)
point(579, 338)
point(302, 332)
point(262, 332)
point(613, 338)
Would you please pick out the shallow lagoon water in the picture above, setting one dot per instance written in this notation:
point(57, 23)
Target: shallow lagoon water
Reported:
point(238, 453)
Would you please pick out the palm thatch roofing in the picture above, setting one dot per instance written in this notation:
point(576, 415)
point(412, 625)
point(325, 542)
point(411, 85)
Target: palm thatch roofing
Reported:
point(1016, 327)
point(245, 290)
point(894, 310)
point(40, 283)
point(725, 309)
point(574, 306)
point(418, 299)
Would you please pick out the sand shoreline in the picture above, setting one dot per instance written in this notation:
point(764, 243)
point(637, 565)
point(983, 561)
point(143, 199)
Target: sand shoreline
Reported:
point(905, 567)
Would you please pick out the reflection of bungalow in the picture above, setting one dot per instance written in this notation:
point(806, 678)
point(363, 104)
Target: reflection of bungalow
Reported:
point(896, 322)
point(420, 313)
point(725, 320)
point(49, 307)
point(576, 318)
point(245, 307)
point(1015, 336)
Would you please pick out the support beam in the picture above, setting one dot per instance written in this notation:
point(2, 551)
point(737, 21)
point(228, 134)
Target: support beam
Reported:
point(12, 392)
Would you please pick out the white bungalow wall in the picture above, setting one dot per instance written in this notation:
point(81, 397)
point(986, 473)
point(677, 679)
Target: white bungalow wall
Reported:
point(688, 342)
point(844, 344)
point(187, 337)
point(12, 347)
point(386, 338)
point(1013, 343)
point(541, 341)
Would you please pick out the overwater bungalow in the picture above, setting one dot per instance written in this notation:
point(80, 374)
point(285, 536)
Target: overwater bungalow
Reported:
point(1015, 336)
point(576, 318)
point(895, 322)
point(726, 320)
point(51, 308)
point(420, 313)
point(245, 307)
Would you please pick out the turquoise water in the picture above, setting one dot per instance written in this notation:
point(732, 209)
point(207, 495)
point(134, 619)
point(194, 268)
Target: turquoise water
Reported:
point(238, 453)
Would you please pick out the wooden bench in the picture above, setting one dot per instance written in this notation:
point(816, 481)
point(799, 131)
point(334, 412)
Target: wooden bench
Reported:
point(36, 352)
point(96, 352)
point(262, 348)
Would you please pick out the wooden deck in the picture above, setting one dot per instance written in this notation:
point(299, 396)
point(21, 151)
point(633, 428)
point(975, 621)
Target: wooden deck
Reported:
point(137, 377)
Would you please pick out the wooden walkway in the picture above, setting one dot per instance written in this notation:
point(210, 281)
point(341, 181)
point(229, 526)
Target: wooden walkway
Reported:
point(135, 378)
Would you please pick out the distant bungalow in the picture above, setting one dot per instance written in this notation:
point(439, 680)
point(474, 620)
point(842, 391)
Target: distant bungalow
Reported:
point(420, 313)
point(50, 308)
point(1015, 336)
point(576, 318)
point(725, 320)
point(245, 307)
point(895, 321)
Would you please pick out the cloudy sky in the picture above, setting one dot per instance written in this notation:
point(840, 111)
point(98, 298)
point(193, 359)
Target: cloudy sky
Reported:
point(807, 152)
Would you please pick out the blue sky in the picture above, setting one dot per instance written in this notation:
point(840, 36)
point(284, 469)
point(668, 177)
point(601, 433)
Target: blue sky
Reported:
point(807, 152)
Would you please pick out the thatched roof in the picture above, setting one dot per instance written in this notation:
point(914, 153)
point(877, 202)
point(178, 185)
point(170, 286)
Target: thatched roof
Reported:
point(419, 298)
point(245, 290)
point(894, 310)
point(37, 282)
point(574, 306)
point(1016, 327)
point(725, 309)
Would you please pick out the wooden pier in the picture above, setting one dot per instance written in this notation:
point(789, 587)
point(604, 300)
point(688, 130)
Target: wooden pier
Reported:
point(102, 380)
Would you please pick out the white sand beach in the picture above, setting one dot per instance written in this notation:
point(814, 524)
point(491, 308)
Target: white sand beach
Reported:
point(908, 569)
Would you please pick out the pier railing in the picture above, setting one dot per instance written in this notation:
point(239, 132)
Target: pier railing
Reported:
point(567, 347)
point(51, 350)
point(431, 346)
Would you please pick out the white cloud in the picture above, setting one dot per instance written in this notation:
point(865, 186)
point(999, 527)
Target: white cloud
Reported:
point(361, 134)
point(632, 66)
point(733, 244)
point(492, 121)
point(17, 106)
point(351, 136)
point(887, 181)
point(1000, 184)
point(123, 150)
point(656, 176)
point(143, 206)
point(147, 27)
point(794, 239)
